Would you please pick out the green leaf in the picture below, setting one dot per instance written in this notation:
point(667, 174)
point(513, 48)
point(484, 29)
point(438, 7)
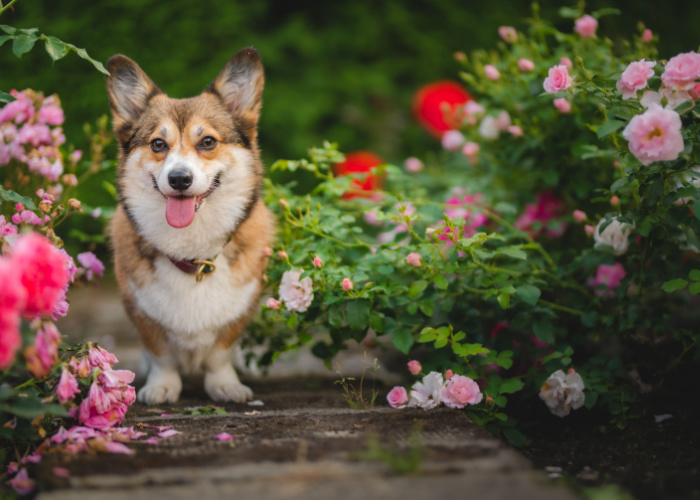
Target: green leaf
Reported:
point(544, 331)
point(7, 29)
point(4, 38)
point(516, 253)
point(618, 184)
point(56, 48)
point(417, 287)
point(82, 53)
point(5, 97)
point(504, 300)
point(568, 12)
point(441, 282)
point(402, 339)
point(511, 385)
point(514, 437)
point(695, 275)
point(694, 288)
point(609, 127)
point(357, 314)
point(673, 285)
point(335, 316)
point(23, 44)
point(11, 196)
point(427, 307)
point(529, 294)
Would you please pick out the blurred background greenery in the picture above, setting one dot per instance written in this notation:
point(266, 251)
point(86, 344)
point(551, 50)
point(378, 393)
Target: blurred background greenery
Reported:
point(344, 70)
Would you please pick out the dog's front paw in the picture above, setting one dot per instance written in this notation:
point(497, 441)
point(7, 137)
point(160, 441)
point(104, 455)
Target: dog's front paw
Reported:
point(222, 387)
point(162, 390)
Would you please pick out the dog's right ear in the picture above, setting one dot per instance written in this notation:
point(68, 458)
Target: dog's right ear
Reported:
point(129, 90)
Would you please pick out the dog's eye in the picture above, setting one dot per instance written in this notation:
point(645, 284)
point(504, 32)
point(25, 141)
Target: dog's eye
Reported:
point(208, 142)
point(158, 145)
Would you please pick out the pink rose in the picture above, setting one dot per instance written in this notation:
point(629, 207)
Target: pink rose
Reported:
point(615, 201)
point(449, 374)
point(508, 34)
point(283, 255)
point(296, 294)
point(610, 276)
point(682, 71)
point(503, 120)
point(67, 386)
point(558, 79)
point(51, 115)
point(647, 36)
point(273, 303)
point(267, 251)
point(635, 78)
point(546, 209)
point(590, 230)
point(566, 62)
point(414, 367)
point(461, 391)
point(318, 263)
point(413, 165)
point(580, 216)
point(526, 65)
point(347, 284)
point(91, 264)
point(492, 72)
point(563, 105)
point(515, 130)
point(471, 149)
point(397, 397)
point(452, 140)
point(655, 135)
point(414, 259)
point(586, 26)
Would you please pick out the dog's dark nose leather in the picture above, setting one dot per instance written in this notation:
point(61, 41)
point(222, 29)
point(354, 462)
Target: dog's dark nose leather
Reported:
point(180, 179)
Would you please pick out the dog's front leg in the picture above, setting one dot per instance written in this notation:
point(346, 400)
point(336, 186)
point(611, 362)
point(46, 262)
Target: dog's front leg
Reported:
point(220, 379)
point(163, 383)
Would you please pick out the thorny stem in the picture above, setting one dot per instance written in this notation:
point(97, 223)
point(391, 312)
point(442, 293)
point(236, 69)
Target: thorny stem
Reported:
point(561, 308)
point(7, 7)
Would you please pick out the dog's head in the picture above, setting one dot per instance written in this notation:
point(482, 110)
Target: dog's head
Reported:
point(187, 163)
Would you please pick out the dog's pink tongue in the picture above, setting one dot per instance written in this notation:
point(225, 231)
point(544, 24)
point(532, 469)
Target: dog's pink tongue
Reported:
point(179, 212)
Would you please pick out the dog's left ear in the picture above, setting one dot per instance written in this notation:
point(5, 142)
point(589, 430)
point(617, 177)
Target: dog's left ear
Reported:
point(240, 85)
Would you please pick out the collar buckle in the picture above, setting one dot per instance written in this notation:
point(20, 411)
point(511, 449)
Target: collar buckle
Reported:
point(204, 268)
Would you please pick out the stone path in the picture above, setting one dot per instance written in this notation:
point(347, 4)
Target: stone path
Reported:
point(302, 442)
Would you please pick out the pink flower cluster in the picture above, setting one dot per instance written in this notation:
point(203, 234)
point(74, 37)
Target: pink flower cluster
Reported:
point(30, 133)
point(548, 208)
point(457, 391)
point(34, 278)
point(465, 207)
point(608, 275)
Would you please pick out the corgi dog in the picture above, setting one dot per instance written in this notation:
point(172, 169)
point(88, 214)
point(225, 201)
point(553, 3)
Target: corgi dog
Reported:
point(190, 231)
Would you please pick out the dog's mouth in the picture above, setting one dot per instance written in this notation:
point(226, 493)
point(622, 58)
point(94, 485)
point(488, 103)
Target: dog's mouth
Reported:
point(180, 210)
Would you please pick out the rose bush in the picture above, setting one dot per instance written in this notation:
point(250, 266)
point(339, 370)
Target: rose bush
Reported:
point(580, 216)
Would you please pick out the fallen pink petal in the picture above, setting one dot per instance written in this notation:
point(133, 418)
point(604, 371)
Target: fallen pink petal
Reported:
point(224, 436)
point(168, 433)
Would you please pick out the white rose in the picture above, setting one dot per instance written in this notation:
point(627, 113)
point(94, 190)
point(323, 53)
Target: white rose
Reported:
point(614, 236)
point(488, 128)
point(296, 295)
point(563, 392)
point(428, 393)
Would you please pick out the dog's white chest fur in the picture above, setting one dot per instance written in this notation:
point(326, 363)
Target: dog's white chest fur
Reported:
point(192, 313)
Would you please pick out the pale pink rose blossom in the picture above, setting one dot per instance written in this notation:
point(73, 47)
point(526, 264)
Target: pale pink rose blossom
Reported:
point(580, 216)
point(682, 71)
point(615, 237)
point(558, 79)
point(488, 128)
point(503, 120)
point(515, 130)
point(51, 115)
point(297, 295)
point(267, 251)
point(634, 78)
point(615, 201)
point(414, 259)
point(75, 157)
point(608, 275)
point(414, 367)
point(283, 255)
point(347, 284)
point(91, 264)
point(586, 26)
point(492, 72)
point(397, 397)
point(318, 263)
point(100, 358)
point(525, 65)
point(6, 228)
point(452, 140)
point(472, 112)
point(449, 374)
point(673, 98)
point(655, 135)
point(647, 36)
point(21, 482)
point(413, 165)
point(566, 62)
point(427, 393)
point(508, 34)
point(562, 105)
point(470, 150)
point(460, 391)
point(273, 303)
point(590, 230)
point(224, 436)
point(563, 392)
point(284, 203)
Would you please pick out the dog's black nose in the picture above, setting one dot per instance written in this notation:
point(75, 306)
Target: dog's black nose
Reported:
point(180, 179)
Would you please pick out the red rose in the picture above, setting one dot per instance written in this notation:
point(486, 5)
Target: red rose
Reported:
point(437, 104)
point(360, 162)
